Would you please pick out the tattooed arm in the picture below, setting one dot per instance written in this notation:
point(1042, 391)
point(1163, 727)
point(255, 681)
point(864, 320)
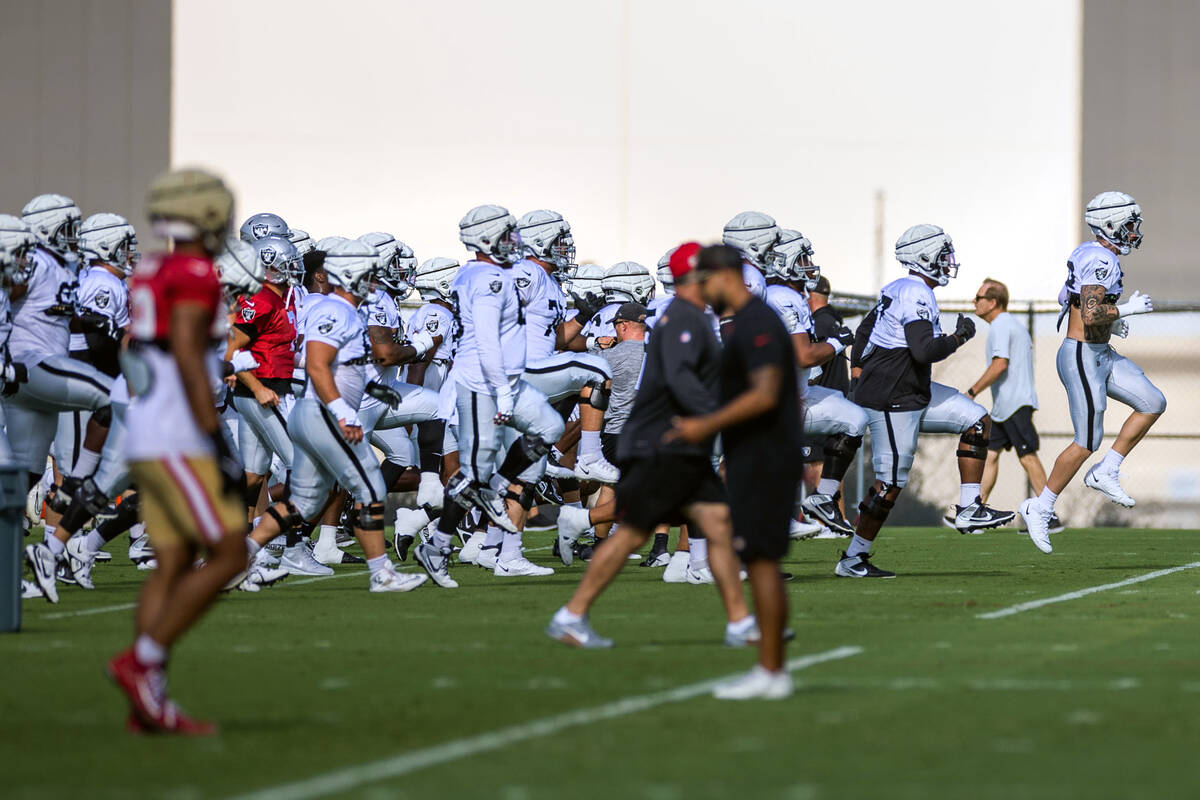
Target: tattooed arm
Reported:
point(1098, 316)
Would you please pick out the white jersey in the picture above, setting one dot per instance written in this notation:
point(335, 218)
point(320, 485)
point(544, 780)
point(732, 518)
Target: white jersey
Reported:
point(792, 309)
point(5, 318)
point(491, 324)
point(336, 322)
point(309, 302)
point(37, 335)
point(902, 301)
point(753, 278)
point(436, 320)
point(380, 310)
point(601, 325)
point(1091, 264)
point(545, 307)
point(655, 307)
point(101, 292)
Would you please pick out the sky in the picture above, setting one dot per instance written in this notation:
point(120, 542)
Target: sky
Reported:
point(649, 123)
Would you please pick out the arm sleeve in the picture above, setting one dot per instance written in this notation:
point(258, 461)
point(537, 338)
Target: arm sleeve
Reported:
point(680, 360)
point(486, 309)
point(861, 336)
point(924, 346)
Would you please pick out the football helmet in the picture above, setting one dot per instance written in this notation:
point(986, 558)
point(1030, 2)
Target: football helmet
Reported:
point(793, 259)
point(546, 236)
point(326, 244)
point(928, 250)
point(301, 241)
point(264, 224)
point(16, 242)
point(628, 281)
point(109, 239)
point(664, 273)
point(352, 265)
point(491, 230)
point(280, 260)
point(240, 269)
point(190, 205)
point(753, 234)
point(54, 220)
point(396, 260)
point(585, 279)
point(433, 278)
point(1116, 218)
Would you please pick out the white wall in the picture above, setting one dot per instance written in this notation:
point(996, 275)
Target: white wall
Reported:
point(649, 122)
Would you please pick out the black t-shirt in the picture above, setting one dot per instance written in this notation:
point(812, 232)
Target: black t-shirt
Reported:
point(835, 373)
point(758, 339)
point(679, 379)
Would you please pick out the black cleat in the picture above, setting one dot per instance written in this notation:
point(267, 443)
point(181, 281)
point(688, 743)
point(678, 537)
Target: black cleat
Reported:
point(546, 492)
point(979, 516)
point(400, 544)
point(825, 508)
point(859, 566)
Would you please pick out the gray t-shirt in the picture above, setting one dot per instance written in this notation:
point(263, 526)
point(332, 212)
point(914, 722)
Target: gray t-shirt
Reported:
point(1007, 338)
point(626, 360)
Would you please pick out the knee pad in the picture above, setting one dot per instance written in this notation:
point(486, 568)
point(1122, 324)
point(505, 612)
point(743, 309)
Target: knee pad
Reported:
point(369, 517)
point(103, 416)
point(289, 519)
point(600, 395)
point(534, 447)
point(973, 442)
point(876, 505)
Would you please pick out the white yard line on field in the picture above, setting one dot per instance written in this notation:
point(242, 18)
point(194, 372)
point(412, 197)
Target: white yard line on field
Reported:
point(343, 780)
point(1062, 598)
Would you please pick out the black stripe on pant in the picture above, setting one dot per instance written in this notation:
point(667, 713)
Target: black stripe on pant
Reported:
point(337, 435)
point(1087, 395)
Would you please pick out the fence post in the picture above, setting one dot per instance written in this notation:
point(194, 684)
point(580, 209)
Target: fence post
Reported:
point(1029, 320)
point(12, 506)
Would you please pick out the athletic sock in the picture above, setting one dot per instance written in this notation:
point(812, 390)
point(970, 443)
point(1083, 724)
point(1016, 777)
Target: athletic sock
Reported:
point(742, 625)
point(1047, 498)
point(827, 486)
point(858, 546)
point(967, 494)
point(564, 617)
point(494, 537)
point(53, 543)
point(510, 550)
point(85, 465)
point(252, 548)
point(698, 555)
point(378, 563)
point(589, 446)
point(327, 537)
point(1111, 461)
point(149, 652)
point(441, 539)
point(93, 541)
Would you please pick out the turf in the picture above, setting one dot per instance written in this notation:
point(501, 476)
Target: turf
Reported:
point(1097, 697)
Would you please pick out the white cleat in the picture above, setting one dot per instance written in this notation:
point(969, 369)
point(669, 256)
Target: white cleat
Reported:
point(757, 684)
point(1037, 521)
point(435, 563)
point(799, 529)
point(676, 571)
point(487, 556)
point(34, 502)
point(298, 560)
point(388, 580)
point(45, 569)
point(700, 575)
point(80, 562)
point(470, 551)
point(572, 523)
point(1108, 484)
point(598, 470)
point(520, 567)
point(148, 564)
point(140, 550)
point(29, 590)
point(828, 533)
point(329, 555)
point(410, 521)
point(430, 491)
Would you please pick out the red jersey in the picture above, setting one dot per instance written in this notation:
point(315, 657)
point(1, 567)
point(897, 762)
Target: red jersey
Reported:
point(162, 280)
point(264, 318)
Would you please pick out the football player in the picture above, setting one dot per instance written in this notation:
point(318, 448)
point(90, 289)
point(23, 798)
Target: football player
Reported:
point(753, 234)
point(624, 282)
point(262, 225)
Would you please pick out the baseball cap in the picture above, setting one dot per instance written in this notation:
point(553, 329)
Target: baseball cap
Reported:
point(822, 286)
point(684, 259)
point(632, 312)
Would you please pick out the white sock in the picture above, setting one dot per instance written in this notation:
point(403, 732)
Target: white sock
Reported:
point(1047, 498)
point(699, 554)
point(510, 550)
point(441, 539)
point(93, 542)
point(742, 625)
point(378, 563)
point(149, 652)
point(967, 493)
point(858, 546)
point(1111, 461)
point(252, 548)
point(827, 486)
point(589, 446)
point(494, 537)
point(564, 617)
point(52, 541)
point(138, 530)
point(86, 464)
point(327, 537)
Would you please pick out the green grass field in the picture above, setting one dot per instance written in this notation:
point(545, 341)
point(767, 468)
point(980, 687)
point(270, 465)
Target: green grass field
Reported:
point(1093, 697)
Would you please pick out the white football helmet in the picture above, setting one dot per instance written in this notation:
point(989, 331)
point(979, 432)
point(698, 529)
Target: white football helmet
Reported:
point(585, 279)
point(279, 260)
point(16, 242)
point(264, 224)
point(546, 236)
point(1116, 218)
point(664, 273)
point(628, 281)
point(793, 259)
point(397, 260)
point(54, 220)
point(433, 278)
point(928, 250)
point(302, 241)
point(492, 230)
point(753, 234)
point(109, 239)
point(240, 269)
point(326, 244)
point(190, 205)
point(352, 265)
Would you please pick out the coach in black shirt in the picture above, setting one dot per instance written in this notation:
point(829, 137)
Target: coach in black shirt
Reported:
point(668, 481)
point(759, 421)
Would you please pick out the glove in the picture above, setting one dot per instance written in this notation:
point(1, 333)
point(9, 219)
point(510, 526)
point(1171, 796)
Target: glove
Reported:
point(98, 323)
point(233, 475)
point(383, 393)
point(1120, 328)
point(243, 361)
point(588, 304)
point(504, 406)
point(1137, 303)
point(422, 342)
point(841, 340)
point(853, 386)
point(14, 375)
point(964, 329)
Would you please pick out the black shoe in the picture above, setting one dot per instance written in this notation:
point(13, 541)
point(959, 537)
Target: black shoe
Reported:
point(825, 508)
point(979, 516)
point(539, 522)
point(656, 558)
point(1056, 525)
point(546, 492)
point(400, 544)
point(59, 498)
point(859, 566)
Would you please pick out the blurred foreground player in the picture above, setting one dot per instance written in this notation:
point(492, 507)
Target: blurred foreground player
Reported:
point(188, 476)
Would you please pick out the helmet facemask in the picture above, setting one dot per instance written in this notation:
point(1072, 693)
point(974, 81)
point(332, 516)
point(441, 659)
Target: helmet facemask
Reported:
point(945, 266)
point(562, 253)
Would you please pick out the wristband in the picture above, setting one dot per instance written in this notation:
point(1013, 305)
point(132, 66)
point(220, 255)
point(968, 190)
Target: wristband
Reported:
point(838, 347)
point(971, 392)
point(342, 410)
point(422, 342)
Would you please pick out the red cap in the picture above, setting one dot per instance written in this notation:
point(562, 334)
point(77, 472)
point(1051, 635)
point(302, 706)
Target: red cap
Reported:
point(684, 259)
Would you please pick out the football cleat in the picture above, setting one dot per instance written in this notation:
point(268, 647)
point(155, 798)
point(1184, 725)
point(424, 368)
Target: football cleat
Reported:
point(140, 549)
point(102, 555)
point(298, 560)
point(1037, 522)
point(1108, 483)
point(34, 502)
point(859, 566)
point(539, 523)
point(744, 638)
point(145, 686)
point(388, 580)
point(80, 562)
point(487, 556)
point(699, 575)
point(545, 491)
point(573, 522)
point(676, 571)
point(598, 470)
point(520, 567)
point(829, 533)
point(401, 542)
point(799, 529)
point(470, 550)
point(436, 563)
point(1055, 524)
point(332, 554)
point(45, 569)
point(29, 590)
point(487, 500)
point(657, 558)
point(577, 634)
point(825, 508)
point(978, 516)
point(757, 684)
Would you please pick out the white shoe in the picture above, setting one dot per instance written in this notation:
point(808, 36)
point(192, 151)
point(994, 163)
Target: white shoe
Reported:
point(1108, 483)
point(799, 529)
point(828, 533)
point(262, 576)
point(470, 550)
point(430, 491)
point(140, 549)
point(487, 557)
point(388, 580)
point(757, 684)
point(328, 555)
point(1037, 522)
point(699, 575)
point(558, 471)
point(410, 521)
point(80, 562)
point(29, 590)
point(572, 523)
point(34, 502)
point(435, 562)
point(598, 470)
point(298, 560)
point(676, 571)
point(45, 569)
point(148, 564)
point(520, 567)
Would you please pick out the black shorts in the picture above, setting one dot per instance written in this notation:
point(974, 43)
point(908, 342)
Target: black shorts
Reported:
point(761, 502)
point(654, 490)
point(1016, 432)
point(608, 446)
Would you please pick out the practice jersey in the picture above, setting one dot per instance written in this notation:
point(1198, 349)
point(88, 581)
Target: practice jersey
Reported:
point(380, 310)
point(436, 320)
point(337, 323)
point(792, 309)
point(101, 292)
point(902, 301)
point(892, 378)
point(42, 318)
point(485, 295)
point(601, 325)
point(265, 319)
point(545, 308)
point(753, 278)
point(1091, 264)
point(159, 421)
point(308, 304)
point(5, 322)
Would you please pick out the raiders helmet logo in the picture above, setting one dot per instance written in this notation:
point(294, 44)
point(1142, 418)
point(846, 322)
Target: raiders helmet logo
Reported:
point(247, 313)
point(259, 230)
point(326, 327)
point(432, 325)
point(102, 299)
point(495, 286)
point(268, 255)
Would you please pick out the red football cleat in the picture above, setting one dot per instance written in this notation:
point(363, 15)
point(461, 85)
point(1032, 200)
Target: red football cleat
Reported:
point(146, 687)
point(177, 721)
